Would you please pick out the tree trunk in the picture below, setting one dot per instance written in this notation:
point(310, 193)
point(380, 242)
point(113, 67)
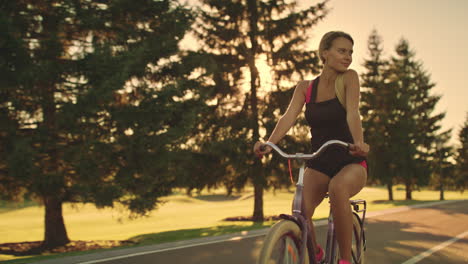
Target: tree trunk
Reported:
point(390, 191)
point(409, 190)
point(442, 197)
point(257, 176)
point(52, 192)
point(55, 232)
point(258, 203)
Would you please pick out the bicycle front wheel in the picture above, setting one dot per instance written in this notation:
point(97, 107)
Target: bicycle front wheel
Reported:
point(282, 244)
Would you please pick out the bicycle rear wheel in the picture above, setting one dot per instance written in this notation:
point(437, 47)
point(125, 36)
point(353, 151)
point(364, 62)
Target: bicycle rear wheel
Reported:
point(282, 244)
point(357, 244)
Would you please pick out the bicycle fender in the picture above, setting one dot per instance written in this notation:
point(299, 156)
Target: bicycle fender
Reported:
point(291, 218)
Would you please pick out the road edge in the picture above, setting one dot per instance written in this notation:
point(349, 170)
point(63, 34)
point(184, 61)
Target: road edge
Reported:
point(114, 254)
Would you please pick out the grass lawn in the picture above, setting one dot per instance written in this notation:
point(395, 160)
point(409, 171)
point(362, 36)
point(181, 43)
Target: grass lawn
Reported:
point(181, 217)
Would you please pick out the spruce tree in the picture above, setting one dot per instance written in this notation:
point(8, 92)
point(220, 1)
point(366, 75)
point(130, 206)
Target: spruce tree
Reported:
point(461, 172)
point(235, 36)
point(442, 168)
point(375, 108)
point(413, 125)
point(92, 108)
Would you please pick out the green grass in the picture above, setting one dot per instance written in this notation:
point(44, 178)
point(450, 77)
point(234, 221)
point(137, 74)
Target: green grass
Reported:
point(180, 218)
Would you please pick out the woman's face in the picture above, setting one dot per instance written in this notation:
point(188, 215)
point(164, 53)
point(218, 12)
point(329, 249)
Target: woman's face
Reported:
point(340, 54)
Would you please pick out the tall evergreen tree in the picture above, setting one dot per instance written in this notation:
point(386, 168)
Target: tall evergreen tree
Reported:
point(461, 176)
point(376, 106)
point(91, 110)
point(414, 126)
point(442, 168)
point(235, 36)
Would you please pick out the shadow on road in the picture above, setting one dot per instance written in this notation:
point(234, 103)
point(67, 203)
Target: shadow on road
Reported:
point(395, 242)
point(453, 208)
point(401, 202)
point(450, 207)
point(184, 234)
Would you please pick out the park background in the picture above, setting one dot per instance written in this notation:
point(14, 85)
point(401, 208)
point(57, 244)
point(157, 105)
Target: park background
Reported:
point(129, 136)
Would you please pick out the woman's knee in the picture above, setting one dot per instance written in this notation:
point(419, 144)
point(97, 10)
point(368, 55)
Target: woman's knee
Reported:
point(309, 208)
point(338, 192)
point(348, 182)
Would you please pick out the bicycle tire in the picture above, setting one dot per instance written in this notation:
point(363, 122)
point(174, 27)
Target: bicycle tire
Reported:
point(357, 244)
point(282, 244)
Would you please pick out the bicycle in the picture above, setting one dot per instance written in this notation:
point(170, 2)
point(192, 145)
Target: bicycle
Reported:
point(289, 240)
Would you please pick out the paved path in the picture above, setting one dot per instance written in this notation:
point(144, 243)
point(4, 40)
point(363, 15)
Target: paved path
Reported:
point(437, 233)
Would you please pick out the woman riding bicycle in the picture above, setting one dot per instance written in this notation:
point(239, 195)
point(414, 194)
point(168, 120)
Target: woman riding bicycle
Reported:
point(339, 173)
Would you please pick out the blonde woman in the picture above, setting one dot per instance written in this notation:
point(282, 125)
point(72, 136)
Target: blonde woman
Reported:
point(339, 173)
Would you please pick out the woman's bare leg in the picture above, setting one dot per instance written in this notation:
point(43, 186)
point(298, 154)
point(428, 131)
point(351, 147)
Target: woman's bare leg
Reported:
point(315, 189)
point(344, 185)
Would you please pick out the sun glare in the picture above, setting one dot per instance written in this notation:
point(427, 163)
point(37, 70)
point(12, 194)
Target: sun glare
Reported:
point(264, 72)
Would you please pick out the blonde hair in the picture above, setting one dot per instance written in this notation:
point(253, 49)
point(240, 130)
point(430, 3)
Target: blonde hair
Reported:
point(327, 41)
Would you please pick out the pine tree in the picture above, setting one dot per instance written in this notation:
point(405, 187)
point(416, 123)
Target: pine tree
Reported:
point(93, 108)
point(235, 35)
point(461, 177)
point(442, 168)
point(413, 126)
point(375, 107)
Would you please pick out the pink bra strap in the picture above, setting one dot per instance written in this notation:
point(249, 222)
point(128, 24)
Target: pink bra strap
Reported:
point(309, 92)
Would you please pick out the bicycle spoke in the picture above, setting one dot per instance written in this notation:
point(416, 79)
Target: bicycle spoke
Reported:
point(284, 252)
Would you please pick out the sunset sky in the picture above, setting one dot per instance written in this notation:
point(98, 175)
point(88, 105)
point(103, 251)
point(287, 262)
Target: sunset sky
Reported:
point(436, 30)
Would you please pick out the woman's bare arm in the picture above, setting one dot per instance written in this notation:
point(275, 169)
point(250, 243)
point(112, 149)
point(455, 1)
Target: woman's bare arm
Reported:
point(351, 82)
point(288, 119)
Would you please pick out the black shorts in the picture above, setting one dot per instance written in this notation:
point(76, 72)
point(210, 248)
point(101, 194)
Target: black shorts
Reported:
point(333, 160)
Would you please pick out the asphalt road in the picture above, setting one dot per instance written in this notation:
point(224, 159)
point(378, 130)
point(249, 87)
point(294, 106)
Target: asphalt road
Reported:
point(435, 234)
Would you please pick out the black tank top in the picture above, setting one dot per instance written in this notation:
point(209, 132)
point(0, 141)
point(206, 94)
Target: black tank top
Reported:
point(327, 120)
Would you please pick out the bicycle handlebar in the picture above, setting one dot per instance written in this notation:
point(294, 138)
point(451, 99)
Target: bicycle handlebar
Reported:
point(306, 156)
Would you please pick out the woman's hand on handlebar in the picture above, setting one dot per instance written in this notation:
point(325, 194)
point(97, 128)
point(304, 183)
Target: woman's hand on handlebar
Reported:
point(261, 149)
point(359, 149)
